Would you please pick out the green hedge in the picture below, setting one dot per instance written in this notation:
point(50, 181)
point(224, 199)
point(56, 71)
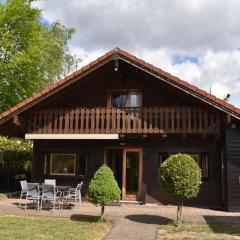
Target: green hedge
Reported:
point(15, 153)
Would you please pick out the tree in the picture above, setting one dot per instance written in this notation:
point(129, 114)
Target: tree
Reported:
point(103, 188)
point(180, 176)
point(32, 54)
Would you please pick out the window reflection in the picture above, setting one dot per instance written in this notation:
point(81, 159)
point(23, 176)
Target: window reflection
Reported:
point(63, 164)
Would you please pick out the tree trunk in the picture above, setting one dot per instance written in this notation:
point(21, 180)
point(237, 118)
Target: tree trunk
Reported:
point(179, 212)
point(102, 213)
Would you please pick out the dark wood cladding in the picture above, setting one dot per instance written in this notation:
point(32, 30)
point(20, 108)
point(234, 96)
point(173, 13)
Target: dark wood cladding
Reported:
point(175, 120)
point(210, 189)
point(233, 168)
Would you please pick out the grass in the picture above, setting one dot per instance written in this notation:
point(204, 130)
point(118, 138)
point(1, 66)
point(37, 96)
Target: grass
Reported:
point(42, 228)
point(2, 196)
point(208, 228)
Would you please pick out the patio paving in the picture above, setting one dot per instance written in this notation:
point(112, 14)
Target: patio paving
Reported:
point(130, 221)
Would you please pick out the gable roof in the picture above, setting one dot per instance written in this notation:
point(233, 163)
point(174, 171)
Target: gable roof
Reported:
point(114, 54)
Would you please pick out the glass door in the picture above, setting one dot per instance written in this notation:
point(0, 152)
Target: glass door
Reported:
point(132, 174)
point(126, 164)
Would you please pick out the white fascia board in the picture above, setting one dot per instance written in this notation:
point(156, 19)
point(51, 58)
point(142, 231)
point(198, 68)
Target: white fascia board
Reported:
point(71, 136)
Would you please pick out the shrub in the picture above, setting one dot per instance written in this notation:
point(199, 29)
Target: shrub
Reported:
point(180, 176)
point(103, 188)
point(15, 153)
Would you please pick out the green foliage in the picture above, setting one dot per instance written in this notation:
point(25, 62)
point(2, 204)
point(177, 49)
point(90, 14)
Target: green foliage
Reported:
point(15, 153)
point(180, 176)
point(32, 55)
point(103, 188)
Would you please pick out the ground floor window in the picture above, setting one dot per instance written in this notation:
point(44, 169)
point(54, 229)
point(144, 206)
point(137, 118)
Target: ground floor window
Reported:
point(200, 158)
point(72, 164)
point(63, 164)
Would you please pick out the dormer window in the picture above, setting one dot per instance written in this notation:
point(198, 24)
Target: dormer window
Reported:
point(125, 99)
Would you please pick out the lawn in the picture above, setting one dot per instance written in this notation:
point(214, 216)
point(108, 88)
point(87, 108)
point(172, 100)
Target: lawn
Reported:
point(186, 229)
point(27, 228)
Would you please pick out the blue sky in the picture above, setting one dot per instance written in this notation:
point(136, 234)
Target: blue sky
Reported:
point(179, 59)
point(45, 21)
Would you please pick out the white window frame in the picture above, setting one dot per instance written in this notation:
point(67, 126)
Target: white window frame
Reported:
point(63, 174)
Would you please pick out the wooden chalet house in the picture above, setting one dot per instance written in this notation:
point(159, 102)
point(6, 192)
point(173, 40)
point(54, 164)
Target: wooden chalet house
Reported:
point(124, 112)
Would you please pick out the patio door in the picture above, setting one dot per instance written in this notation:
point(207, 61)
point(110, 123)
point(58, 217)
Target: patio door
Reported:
point(115, 162)
point(126, 164)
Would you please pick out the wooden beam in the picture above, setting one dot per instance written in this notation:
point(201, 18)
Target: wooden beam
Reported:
point(229, 119)
point(16, 120)
point(19, 122)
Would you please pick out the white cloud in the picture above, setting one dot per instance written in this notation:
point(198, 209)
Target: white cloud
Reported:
point(220, 90)
point(156, 30)
point(218, 71)
point(183, 25)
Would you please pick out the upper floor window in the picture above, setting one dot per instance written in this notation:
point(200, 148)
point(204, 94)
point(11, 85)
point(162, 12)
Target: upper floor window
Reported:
point(121, 99)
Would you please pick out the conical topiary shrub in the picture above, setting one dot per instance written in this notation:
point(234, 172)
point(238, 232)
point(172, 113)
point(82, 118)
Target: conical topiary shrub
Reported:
point(103, 188)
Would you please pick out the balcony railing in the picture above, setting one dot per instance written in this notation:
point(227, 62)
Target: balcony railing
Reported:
point(169, 120)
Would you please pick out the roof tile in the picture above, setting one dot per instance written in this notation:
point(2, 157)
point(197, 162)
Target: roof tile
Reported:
point(28, 100)
point(4, 114)
point(45, 90)
point(230, 106)
point(220, 101)
point(210, 96)
point(176, 79)
point(93, 63)
point(21, 104)
point(158, 70)
point(140, 61)
point(85, 68)
point(127, 55)
point(13, 109)
point(54, 85)
point(148, 65)
point(69, 77)
point(60, 82)
point(193, 88)
point(36, 95)
point(202, 92)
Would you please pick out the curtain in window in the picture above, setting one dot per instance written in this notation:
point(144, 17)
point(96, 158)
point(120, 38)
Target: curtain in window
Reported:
point(119, 100)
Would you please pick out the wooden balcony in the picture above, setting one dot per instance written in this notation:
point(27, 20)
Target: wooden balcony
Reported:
point(169, 120)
